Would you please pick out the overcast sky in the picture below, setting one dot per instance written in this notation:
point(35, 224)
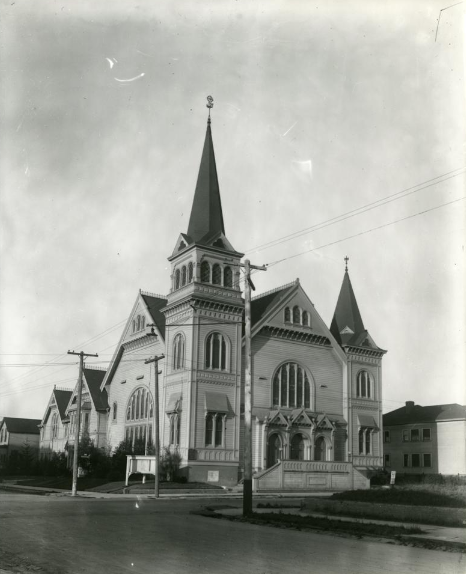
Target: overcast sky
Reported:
point(320, 108)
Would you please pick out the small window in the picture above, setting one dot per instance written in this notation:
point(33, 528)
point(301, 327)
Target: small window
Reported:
point(415, 460)
point(228, 277)
point(296, 315)
point(306, 321)
point(427, 460)
point(415, 435)
point(387, 460)
point(177, 279)
point(386, 436)
point(405, 435)
point(190, 272)
point(183, 276)
point(287, 315)
point(205, 272)
point(114, 414)
point(426, 435)
point(363, 385)
point(216, 274)
point(406, 460)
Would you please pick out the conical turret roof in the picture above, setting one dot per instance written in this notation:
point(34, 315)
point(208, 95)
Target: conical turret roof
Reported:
point(206, 214)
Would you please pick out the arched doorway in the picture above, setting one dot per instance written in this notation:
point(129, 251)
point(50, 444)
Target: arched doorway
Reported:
point(297, 447)
point(273, 450)
point(320, 449)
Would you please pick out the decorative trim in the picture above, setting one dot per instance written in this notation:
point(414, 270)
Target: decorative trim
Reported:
point(282, 288)
point(300, 336)
point(138, 378)
point(364, 351)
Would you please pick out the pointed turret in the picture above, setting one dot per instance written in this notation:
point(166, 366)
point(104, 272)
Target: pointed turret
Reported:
point(206, 218)
point(347, 326)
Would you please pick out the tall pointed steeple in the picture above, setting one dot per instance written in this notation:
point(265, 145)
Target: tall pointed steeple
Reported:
point(206, 214)
point(347, 323)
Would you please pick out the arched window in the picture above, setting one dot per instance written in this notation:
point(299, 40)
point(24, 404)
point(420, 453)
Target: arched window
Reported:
point(228, 277)
point(183, 275)
point(217, 274)
point(214, 429)
point(296, 314)
point(287, 315)
point(306, 319)
point(364, 384)
point(139, 415)
point(177, 279)
point(134, 325)
point(114, 412)
point(216, 352)
point(205, 272)
point(175, 425)
point(138, 323)
point(291, 387)
point(190, 272)
point(143, 322)
point(178, 352)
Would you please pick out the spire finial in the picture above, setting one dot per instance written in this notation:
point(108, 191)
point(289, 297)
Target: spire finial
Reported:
point(210, 105)
point(346, 263)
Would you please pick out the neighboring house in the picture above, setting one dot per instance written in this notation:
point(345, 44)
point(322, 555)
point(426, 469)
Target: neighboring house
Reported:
point(429, 440)
point(54, 425)
point(94, 409)
point(15, 434)
point(317, 391)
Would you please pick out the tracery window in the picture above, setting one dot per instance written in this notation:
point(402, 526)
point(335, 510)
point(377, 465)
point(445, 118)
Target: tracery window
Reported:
point(291, 387)
point(216, 351)
point(364, 384)
point(139, 416)
point(178, 352)
point(205, 272)
point(228, 277)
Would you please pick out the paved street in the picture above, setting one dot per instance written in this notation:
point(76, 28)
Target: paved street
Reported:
point(64, 535)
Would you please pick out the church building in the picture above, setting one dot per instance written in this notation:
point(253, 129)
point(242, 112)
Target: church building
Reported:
point(316, 391)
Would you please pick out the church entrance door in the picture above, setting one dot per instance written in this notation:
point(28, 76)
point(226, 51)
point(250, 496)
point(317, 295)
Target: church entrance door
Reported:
point(297, 447)
point(320, 449)
point(273, 450)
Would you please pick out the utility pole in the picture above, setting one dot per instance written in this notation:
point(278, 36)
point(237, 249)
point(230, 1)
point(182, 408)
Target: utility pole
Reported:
point(156, 360)
point(78, 416)
point(247, 480)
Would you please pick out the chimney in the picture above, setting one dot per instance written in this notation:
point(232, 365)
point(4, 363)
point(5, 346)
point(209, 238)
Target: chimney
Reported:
point(409, 407)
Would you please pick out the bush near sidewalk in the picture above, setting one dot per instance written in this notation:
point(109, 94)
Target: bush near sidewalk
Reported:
point(422, 495)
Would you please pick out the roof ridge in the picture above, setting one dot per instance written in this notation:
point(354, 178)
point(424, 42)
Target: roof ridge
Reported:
point(142, 292)
point(93, 368)
point(276, 290)
point(63, 389)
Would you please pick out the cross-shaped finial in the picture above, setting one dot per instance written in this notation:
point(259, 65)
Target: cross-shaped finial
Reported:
point(346, 263)
point(210, 105)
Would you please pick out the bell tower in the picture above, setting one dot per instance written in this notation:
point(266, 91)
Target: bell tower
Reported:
point(204, 313)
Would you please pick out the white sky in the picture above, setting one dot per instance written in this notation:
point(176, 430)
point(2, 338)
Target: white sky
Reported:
point(320, 108)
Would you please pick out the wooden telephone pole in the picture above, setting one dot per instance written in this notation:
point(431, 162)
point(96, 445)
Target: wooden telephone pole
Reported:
point(156, 360)
point(247, 479)
point(78, 416)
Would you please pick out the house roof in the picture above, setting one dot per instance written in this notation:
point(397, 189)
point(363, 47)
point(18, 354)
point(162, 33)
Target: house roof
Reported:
point(154, 304)
point(262, 304)
point(412, 414)
point(22, 426)
point(206, 218)
point(62, 398)
point(94, 378)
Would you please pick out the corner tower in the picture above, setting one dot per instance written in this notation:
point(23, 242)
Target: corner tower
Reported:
point(201, 390)
point(364, 383)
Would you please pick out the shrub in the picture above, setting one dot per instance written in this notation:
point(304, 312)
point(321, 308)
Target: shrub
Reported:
point(170, 463)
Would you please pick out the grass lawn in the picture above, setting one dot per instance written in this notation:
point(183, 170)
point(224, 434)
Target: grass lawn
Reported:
point(422, 495)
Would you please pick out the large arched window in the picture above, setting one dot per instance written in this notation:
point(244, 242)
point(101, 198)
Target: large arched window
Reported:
point(139, 417)
point(178, 352)
point(216, 351)
point(292, 387)
point(228, 277)
point(205, 272)
point(364, 385)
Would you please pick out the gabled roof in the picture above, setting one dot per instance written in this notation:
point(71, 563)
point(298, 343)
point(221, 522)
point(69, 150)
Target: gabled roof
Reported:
point(262, 304)
point(94, 378)
point(206, 213)
point(154, 304)
point(22, 426)
point(412, 414)
point(62, 398)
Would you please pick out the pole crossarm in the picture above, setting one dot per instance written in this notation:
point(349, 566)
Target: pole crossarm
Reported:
point(81, 355)
point(156, 360)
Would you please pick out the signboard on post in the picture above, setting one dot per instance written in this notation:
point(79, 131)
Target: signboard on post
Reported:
point(392, 478)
